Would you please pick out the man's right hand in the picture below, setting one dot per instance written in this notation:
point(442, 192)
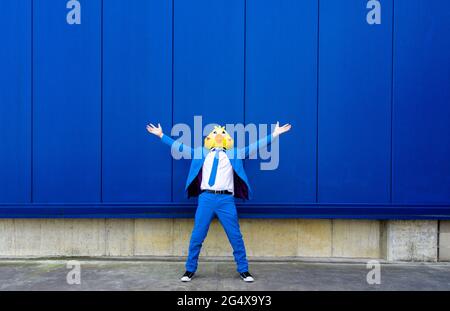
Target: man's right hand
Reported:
point(155, 130)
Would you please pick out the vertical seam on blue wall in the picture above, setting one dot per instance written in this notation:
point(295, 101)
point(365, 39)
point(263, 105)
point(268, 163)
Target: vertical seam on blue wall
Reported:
point(101, 102)
point(317, 102)
point(172, 99)
point(32, 101)
point(245, 70)
point(392, 108)
point(245, 60)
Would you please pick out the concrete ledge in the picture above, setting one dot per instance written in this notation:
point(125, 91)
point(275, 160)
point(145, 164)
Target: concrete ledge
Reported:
point(264, 238)
point(170, 237)
point(202, 258)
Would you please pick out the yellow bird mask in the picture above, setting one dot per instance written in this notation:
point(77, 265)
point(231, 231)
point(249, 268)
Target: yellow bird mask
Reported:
point(219, 137)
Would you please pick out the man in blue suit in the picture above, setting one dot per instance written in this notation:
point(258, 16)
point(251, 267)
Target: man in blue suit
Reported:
point(217, 176)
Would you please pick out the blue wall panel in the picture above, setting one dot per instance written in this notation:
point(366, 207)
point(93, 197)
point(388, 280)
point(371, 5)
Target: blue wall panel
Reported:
point(137, 89)
point(66, 127)
point(421, 115)
point(208, 68)
point(15, 100)
point(355, 70)
point(369, 104)
point(281, 84)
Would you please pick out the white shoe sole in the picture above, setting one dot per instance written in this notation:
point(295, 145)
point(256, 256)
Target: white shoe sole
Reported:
point(185, 279)
point(248, 279)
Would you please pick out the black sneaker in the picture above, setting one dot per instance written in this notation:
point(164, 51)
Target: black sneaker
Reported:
point(247, 277)
point(187, 276)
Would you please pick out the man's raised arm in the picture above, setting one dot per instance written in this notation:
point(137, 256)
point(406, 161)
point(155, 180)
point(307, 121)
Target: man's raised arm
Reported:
point(176, 145)
point(266, 141)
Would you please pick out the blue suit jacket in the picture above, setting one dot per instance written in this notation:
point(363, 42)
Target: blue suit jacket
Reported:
point(241, 185)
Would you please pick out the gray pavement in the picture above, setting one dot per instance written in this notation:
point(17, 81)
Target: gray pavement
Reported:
point(40, 275)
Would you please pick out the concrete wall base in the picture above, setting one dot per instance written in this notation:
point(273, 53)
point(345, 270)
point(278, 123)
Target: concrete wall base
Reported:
point(444, 240)
point(410, 240)
point(323, 238)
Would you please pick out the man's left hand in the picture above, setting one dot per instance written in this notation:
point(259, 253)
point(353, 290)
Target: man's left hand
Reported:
point(281, 129)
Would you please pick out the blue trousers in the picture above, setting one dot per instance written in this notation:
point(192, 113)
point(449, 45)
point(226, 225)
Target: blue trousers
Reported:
point(222, 206)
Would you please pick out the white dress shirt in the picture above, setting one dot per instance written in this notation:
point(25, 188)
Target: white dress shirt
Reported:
point(224, 176)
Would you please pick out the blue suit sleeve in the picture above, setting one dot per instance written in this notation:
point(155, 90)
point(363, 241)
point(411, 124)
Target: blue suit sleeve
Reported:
point(252, 148)
point(177, 146)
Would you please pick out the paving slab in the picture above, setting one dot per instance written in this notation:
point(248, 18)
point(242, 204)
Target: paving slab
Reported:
point(40, 275)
